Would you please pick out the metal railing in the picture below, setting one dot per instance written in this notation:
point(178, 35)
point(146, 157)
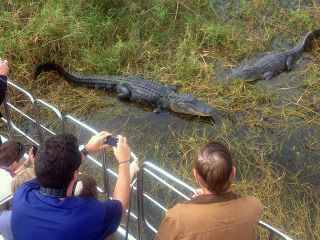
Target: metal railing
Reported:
point(138, 212)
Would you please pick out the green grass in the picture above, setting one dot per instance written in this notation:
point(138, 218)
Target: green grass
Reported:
point(186, 43)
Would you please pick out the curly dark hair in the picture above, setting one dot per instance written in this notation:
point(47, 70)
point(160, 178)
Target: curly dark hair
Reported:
point(57, 160)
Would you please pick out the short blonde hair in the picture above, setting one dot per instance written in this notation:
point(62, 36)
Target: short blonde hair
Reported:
point(21, 178)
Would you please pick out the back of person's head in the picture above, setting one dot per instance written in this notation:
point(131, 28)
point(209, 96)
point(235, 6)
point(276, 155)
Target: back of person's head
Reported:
point(89, 186)
point(24, 176)
point(10, 152)
point(214, 165)
point(57, 160)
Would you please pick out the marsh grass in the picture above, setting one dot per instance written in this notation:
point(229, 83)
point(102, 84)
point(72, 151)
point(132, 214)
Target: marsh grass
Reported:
point(182, 43)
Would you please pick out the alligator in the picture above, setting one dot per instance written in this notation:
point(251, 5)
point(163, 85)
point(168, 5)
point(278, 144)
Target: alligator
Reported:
point(136, 89)
point(273, 63)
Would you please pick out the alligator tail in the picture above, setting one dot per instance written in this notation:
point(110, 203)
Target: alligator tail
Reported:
point(46, 67)
point(306, 40)
point(93, 81)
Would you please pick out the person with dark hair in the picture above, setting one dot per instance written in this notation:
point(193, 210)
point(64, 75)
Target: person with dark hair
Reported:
point(214, 212)
point(12, 162)
point(45, 208)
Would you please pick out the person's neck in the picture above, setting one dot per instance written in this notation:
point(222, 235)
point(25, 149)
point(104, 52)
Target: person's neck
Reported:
point(69, 189)
point(207, 191)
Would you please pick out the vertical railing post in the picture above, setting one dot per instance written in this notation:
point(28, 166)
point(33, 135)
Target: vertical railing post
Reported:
point(63, 123)
point(37, 119)
point(140, 202)
point(8, 117)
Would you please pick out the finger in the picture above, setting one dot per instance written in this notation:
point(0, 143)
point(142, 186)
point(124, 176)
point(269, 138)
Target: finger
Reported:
point(103, 133)
point(5, 62)
point(103, 136)
point(121, 140)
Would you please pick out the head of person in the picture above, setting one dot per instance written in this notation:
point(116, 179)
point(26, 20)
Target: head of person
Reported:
point(88, 187)
point(57, 162)
point(22, 177)
point(11, 155)
point(213, 167)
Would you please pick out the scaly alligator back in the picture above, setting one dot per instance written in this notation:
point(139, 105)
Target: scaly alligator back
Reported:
point(141, 89)
point(137, 89)
point(275, 62)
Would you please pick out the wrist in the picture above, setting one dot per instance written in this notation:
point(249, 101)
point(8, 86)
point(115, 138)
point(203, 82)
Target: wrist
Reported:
point(83, 149)
point(27, 163)
point(125, 162)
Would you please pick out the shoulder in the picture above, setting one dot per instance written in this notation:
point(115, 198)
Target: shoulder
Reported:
point(251, 203)
point(25, 189)
point(5, 219)
point(178, 212)
point(108, 208)
point(32, 184)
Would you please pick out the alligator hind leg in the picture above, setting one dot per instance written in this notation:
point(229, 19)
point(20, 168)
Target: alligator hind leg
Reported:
point(290, 63)
point(123, 93)
point(171, 87)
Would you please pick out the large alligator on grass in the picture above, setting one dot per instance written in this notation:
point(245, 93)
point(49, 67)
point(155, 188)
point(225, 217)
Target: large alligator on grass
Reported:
point(272, 63)
point(136, 89)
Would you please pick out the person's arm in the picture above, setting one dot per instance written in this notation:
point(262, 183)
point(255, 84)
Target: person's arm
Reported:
point(134, 169)
point(28, 163)
point(4, 69)
point(95, 143)
point(122, 189)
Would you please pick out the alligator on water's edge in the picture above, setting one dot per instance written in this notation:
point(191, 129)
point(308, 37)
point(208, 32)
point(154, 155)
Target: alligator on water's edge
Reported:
point(273, 63)
point(136, 89)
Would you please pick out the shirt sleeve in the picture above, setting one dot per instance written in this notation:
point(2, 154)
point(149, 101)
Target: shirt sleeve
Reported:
point(168, 229)
point(113, 216)
point(3, 87)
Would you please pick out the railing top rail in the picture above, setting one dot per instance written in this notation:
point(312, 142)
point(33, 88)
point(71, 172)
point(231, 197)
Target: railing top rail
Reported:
point(81, 124)
point(55, 110)
point(32, 99)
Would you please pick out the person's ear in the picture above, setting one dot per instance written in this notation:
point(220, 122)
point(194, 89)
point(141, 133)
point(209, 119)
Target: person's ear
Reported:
point(196, 176)
point(234, 171)
point(76, 175)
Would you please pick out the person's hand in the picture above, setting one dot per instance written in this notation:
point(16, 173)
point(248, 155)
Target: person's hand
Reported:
point(4, 68)
point(134, 169)
point(122, 152)
point(96, 142)
point(31, 156)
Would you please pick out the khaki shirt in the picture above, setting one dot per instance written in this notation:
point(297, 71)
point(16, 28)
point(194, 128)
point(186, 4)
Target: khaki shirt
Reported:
point(201, 219)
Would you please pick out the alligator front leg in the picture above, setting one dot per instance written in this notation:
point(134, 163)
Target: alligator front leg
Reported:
point(123, 92)
point(290, 63)
point(160, 110)
point(268, 75)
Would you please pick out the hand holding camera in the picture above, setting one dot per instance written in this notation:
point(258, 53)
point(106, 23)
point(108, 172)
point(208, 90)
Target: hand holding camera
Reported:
point(4, 68)
point(122, 152)
point(111, 141)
